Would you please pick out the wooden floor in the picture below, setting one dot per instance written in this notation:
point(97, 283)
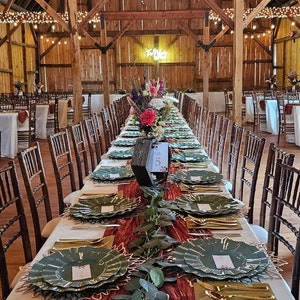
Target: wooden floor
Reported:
point(15, 259)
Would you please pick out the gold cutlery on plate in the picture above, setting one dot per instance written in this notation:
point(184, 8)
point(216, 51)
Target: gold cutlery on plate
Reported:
point(218, 296)
point(94, 226)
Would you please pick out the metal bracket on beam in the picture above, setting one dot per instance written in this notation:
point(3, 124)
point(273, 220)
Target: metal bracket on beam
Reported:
point(206, 47)
point(105, 48)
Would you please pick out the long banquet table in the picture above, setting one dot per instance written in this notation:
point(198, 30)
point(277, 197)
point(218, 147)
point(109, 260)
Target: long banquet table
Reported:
point(122, 235)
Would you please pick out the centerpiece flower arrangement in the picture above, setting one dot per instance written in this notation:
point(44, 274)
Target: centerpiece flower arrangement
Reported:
point(148, 107)
point(38, 87)
point(293, 78)
point(272, 82)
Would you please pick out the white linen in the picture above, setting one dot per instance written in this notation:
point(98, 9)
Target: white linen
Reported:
point(296, 111)
point(41, 116)
point(272, 116)
point(249, 116)
point(9, 134)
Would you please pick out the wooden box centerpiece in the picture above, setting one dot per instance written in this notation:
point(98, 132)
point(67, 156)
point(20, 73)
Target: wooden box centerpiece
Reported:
point(150, 161)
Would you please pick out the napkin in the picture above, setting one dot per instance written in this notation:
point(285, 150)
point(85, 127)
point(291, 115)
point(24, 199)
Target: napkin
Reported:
point(214, 224)
point(22, 116)
point(107, 242)
point(105, 189)
point(234, 288)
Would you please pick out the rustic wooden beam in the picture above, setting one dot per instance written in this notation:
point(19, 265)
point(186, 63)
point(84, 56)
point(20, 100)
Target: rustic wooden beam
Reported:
point(8, 6)
point(75, 61)
point(9, 34)
point(49, 48)
point(238, 50)
point(297, 24)
point(206, 61)
point(122, 32)
point(263, 46)
point(216, 8)
point(50, 11)
point(221, 33)
point(255, 12)
point(97, 8)
point(6, 71)
point(104, 62)
point(154, 15)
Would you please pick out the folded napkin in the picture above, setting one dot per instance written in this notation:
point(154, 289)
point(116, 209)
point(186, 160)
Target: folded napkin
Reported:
point(225, 223)
point(22, 116)
point(103, 189)
point(51, 108)
point(288, 109)
point(107, 242)
point(253, 290)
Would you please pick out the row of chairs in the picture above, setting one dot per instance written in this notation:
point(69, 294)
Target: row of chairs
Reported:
point(279, 205)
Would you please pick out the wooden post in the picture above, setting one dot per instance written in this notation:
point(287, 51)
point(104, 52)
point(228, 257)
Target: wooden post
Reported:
point(76, 65)
point(104, 62)
point(206, 61)
point(238, 51)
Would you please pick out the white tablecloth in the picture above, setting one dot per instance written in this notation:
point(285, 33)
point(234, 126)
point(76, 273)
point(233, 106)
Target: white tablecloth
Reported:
point(41, 116)
point(9, 135)
point(249, 116)
point(272, 116)
point(296, 111)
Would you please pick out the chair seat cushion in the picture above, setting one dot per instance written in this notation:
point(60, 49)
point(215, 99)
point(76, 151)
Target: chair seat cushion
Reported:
point(49, 227)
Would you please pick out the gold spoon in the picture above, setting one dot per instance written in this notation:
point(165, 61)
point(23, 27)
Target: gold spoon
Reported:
point(217, 296)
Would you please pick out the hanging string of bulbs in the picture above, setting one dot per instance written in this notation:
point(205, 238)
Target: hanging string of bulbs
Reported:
point(44, 18)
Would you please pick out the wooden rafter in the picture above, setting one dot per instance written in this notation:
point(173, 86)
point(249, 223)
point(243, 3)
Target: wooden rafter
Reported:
point(7, 6)
point(297, 24)
point(49, 10)
point(9, 34)
point(50, 48)
point(216, 8)
point(98, 6)
point(255, 12)
point(263, 46)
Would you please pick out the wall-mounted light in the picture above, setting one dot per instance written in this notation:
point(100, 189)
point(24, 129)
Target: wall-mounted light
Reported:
point(157, 54)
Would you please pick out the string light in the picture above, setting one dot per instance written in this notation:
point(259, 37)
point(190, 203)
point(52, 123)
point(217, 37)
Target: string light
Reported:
point(44, 18)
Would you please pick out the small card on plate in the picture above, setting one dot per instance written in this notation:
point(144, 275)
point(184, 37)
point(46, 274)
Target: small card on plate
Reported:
point(81, 272)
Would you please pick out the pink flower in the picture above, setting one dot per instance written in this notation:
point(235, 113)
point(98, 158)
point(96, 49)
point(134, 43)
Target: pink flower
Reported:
point(148, 117)
point(132, 110)
point(153, 91)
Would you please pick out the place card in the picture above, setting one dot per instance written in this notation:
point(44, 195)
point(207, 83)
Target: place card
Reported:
point(107, 208)
point(203, 206)
point(114, 176)
point(196, 178)
point(223, 262)
point(81, 272)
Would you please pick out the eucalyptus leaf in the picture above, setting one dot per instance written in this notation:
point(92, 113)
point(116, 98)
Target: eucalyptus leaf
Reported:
point(161, 296)
point(133, 284)
point(136, 243)
point(144, 267)
point(165, 245)
point(152, 243)
point(147, 285)
point(145, 226)
point(170, 279)
point(137, 295)
point(121, 297)
point(157, 276)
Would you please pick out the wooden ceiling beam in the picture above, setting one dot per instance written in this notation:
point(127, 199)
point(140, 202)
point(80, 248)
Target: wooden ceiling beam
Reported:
point(217, 9)
point(50, 11)
point(7, 6)
point(49, 48)
point(255, 12)
point(98, 6)
point(9, 34)
point(153, 15)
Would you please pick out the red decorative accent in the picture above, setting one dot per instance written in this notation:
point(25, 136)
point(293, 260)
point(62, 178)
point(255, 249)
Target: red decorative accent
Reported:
point(243, 99)
point(51, 108)
point(70, 103)
point(288, 109)
point(22, 116)
point(230, 96)
point(262, 104)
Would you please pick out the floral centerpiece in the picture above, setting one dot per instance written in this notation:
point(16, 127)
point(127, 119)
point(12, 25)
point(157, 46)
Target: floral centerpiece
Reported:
point(38, 87)
point(18, 85)
point(272, 82)
point(148, 107)
point(293, 78)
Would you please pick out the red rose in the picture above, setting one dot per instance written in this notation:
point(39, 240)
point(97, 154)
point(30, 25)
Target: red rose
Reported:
point(153, 91)
point(148, 117)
